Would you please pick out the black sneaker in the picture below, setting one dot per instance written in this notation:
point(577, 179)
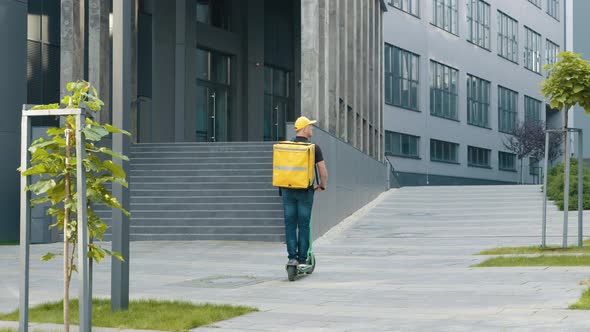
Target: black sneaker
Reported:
point(293, 262)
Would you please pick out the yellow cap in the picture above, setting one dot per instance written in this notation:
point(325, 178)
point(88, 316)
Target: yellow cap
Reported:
point(303, 122)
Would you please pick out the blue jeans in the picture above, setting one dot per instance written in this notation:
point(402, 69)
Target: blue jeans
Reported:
point(297, 205)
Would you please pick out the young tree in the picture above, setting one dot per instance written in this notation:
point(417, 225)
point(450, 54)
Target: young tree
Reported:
point(523, 140)
point(53, 160)
point(568, 85)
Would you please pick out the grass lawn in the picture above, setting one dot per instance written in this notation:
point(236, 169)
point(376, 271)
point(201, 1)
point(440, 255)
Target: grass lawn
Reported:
point(583, 303)
point(537, 250)
point(142, 314)
point(556, 260)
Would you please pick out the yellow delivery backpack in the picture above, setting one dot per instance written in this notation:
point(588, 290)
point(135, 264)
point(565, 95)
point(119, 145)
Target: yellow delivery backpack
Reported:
point(293, 165)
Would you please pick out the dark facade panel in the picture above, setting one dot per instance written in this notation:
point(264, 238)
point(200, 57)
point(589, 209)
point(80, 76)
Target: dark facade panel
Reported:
point(13, 93)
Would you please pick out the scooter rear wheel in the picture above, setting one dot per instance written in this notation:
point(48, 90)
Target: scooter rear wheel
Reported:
point(291, 272)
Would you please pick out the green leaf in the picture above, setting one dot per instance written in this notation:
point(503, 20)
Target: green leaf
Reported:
point(37, 169)
point(46, 107)
point(42, 186)
point(70, 86)
point(112, 153)
point(55, 131)
point(95, 133)
point(115, 169)
point(113, 129)
point(48, 256)
point(66, 100)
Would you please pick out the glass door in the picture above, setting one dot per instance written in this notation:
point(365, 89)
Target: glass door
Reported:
point(278, 107)
point(213, 83)
point(211, 113)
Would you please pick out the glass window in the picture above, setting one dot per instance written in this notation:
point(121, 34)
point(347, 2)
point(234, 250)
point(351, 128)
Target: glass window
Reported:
point(214, 13)
point(444, 151)
point(551, 51)
point(478, 157)
point(212, 66)
point(401, 77)
point(443, 91)
point(401, 145)
point(478, 23)
point(553, 8)
point(532, 50)
point(445, 15)
point(506, 161)
point(507, 110)
point(507, 37)
point(534, 168)
point(478, 101)
point(408, 6)
point(532, 109)
point(43, 55)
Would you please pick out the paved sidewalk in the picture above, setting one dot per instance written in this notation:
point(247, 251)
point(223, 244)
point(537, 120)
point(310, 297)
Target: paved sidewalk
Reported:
point(402, 264)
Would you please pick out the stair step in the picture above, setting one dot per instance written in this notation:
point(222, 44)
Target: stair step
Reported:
point(275, 222)
point(139, 214)
point(206, 192)
point(135, 179)
point(198, 160)
point(159, 187)
point(136, 165)
point(204, 199)
point(203, 172)
point(200, 154)
point(175, 206)
point(206, 237)
point(202, 230)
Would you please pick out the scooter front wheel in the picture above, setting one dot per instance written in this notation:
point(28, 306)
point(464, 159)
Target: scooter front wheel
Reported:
point(291, 272)
point(312, 261)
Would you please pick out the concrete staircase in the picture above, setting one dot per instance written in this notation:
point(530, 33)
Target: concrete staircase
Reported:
point(203, 191)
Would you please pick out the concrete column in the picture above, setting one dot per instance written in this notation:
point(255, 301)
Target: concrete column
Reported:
point(163, 69)
point(297, 31)
point(358, 76)
point(366, 74)
point(310, 58)
point(351, 70)
point(13, 93)
point(122, 69)
point(190, 75)
point(180, 70)
point(371, 78)
point(255, 69)
point(133, 64)
point(71, 43)
point(381, 86)
point(380, 75)
point(324, 65)
point(343, 87)
point(99, 53)
point(334, 67)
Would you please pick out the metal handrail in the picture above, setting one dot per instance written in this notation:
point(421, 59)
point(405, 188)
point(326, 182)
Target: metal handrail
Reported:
point(390, 164)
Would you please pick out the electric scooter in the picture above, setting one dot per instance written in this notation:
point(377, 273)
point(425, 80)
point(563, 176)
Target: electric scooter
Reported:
point(294, 271)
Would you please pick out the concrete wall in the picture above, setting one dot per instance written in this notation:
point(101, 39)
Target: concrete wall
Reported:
point(578, 27)
point(419, 36)
point(354, 179)
point(345, 100)
point(13, 93)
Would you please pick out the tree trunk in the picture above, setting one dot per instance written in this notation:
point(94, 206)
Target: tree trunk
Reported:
point(565, 136)
point(521, 175)
point(67, 267)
